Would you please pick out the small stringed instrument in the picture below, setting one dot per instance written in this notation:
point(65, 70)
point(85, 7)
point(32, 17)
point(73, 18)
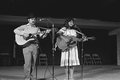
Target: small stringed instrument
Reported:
point(67, 42)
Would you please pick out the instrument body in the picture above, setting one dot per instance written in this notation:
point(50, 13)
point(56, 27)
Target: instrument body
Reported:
point(67, 42)
point(22, 40)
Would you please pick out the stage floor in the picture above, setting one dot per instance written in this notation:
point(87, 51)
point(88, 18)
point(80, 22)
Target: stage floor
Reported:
point(90, 72)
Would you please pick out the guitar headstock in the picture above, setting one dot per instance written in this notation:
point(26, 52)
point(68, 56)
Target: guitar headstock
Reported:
point(93, 38)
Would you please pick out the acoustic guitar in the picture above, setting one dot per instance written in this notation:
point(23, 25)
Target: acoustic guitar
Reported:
point(22, 40)
point(67, 42)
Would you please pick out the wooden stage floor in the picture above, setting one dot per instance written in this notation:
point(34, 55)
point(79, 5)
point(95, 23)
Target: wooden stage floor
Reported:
point(90, 72)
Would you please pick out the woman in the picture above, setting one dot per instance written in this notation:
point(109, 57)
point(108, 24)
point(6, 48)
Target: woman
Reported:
point(69, 55)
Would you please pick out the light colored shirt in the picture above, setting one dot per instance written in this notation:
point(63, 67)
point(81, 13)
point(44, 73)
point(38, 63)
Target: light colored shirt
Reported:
point(27, 28)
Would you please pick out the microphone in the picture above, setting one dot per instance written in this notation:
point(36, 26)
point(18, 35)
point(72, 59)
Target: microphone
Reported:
point(41, 19)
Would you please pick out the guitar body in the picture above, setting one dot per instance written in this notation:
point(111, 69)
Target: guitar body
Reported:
point(62, 45)
point(65, 42)
point(21, 41)
point(24, 41)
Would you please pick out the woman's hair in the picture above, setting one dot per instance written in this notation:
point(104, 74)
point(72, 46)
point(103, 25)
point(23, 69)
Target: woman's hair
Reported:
point(67, 21)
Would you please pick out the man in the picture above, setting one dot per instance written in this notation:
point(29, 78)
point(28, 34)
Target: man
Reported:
point(26, 35)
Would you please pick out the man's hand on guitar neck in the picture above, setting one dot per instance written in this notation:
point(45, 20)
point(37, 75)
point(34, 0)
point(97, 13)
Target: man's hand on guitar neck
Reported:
point(44, 33)
point(48, 30)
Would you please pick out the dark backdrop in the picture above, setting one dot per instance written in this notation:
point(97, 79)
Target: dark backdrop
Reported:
point(103, 45)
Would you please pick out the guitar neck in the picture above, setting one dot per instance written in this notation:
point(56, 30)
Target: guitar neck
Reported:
point(92, 38)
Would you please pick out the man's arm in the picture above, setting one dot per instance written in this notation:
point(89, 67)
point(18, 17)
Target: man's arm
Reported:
point(19, 30)
point(43, 34)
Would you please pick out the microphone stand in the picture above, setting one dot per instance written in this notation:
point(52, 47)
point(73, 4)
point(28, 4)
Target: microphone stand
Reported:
point(82, 55)
point(82, 59)
point(68, 65)
point(53, 37)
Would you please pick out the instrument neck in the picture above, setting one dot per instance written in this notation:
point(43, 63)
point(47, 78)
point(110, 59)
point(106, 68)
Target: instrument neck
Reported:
point(42, 28)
